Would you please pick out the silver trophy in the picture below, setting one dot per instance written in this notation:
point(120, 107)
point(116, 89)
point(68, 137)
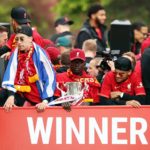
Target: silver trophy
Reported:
point(73, 88)
point(74, 93)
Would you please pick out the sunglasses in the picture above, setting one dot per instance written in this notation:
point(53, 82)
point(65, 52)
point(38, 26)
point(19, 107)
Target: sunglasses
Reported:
point(21, 39)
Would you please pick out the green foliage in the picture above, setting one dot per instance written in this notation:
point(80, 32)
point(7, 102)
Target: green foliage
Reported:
point(116, 9)
point(134, 10)
point(72, 7)
point(6, 6)
point(44, 12)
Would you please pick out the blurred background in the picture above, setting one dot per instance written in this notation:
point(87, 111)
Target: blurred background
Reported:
point(44, 12)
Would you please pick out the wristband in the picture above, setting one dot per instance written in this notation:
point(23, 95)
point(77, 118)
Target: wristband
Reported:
point(45, 101)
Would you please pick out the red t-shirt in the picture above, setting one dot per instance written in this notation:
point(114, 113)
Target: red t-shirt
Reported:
point(132, 85)
point(137, 69)
point(26, 69)
point(145, 44)
point(93, 89)
point(11, 43)
point(34, 95)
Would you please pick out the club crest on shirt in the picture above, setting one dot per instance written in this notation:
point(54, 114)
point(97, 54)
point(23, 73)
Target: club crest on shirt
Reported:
point(129, 86)
point(77, 55)
point(140, 85)
point(117, 87)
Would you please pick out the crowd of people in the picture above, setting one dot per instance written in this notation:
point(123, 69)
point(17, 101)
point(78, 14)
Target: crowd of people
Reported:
point(38, 69)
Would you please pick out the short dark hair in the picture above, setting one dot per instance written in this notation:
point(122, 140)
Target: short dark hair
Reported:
point(137, 25)
point(65, 58)
point(3, 29)
point(94, 9)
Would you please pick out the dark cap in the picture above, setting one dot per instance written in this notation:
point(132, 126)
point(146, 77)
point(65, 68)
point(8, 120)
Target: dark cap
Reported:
point(20, 15)
point(123, 63)
point(94, 9)
point(24, 29)
point(77, 54)
point(63, 21)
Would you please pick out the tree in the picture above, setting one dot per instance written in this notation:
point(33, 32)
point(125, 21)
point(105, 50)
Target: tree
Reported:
point(45, 12)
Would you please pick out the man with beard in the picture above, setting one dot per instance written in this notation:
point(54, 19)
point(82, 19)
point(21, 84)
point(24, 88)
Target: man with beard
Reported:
point(123, 86)
point(140, 31)
point(76, 73)
point(19, 16)
point(94, 28)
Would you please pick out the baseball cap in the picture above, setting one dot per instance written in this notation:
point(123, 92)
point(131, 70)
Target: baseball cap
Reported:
point(63, 21)
point(24, 29)
point(123, 63)
point(20, 15)
point(77, 54)
point(63, 41)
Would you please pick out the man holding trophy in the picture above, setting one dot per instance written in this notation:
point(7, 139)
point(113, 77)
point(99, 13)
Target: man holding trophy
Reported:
point(76, 85)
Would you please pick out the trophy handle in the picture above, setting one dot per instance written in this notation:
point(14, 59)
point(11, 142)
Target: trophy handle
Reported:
point(63, 93)
point(86, 87)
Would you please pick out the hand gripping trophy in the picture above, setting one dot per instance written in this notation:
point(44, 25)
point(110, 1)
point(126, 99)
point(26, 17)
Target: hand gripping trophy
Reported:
point(74, 93)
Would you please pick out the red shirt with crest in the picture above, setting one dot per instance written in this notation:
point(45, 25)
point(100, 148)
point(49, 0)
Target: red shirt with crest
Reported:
point(93, 84)
point(132, 86)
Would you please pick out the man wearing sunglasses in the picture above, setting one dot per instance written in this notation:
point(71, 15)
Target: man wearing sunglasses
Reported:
point(123, 86)
point(29, 76)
